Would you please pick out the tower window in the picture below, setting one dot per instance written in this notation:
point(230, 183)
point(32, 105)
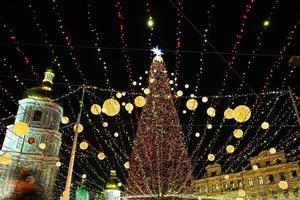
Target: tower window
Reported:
point(282, 176)
point(260, 180)
point(271, 178)
point(213, 174)
point(37, 115)
point(294, 174)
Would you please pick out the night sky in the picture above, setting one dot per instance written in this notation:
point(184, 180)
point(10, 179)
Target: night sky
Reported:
point(221, 49)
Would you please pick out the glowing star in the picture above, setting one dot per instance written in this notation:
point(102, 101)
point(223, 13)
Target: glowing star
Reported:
point(158, 54)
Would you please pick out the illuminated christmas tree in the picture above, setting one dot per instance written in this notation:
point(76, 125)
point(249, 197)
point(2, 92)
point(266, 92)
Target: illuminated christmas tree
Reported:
point(160, 167)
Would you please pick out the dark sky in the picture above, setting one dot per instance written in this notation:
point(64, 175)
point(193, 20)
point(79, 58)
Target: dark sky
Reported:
point(209, 35)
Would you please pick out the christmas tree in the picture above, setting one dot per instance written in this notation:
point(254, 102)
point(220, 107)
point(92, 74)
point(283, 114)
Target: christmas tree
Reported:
point(160, 167)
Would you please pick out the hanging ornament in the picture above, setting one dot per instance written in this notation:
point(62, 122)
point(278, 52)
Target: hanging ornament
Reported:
point(31, 140)
point(209, 126)
point(139, 101)
point(123, 93)
point(83, 145)
point(129, 107)
point(58, 164)
point(192, 104)
point(42, 146)
point(147, 91)
point(230, 149)
point(186, 86)
point(83, 176)
point(204, 99)
point(119, 184)
point(5, 159)
point(183, 111)
point(197, 134)
point(101, 156)
point(134, 83)
point(119, 95)
point(211, 112)
point(238, 133)
point(211, 157)
point(105, 124)
point(127, 165)
point(255, 167)
point(265, 125)
point(228, 113)
point(283, 185)
point(272, 150)
point(96, 109)
point(111, 107)
point(242, 113)
point(65, 120)
point(20, 129)
point(78, 128)
point(116, 134)
point(179, 93)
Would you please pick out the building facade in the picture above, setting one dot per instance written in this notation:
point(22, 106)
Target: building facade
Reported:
point(271, 177)
point(32, 170)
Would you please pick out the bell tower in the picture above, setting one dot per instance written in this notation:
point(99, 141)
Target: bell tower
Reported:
point(31, 169)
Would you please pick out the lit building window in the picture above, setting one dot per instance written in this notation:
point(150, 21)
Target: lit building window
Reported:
point(240, 184)
point(37, 115)
point(250, 182)
point(282, 176)
point(260, 180)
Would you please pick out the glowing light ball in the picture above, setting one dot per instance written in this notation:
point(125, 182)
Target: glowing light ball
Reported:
point(5, 159)
point(211, 157)
point(127, 165)
point(192, 104)
point(255, 167)
point(42, 146)
point(119, 184)
point(111, 107)
point(123, 93)
point(151, 80)
point(241, 193)
point(150, 22)
point(230, 149)
point(283, 185)
point(58, 164)
point(272, 150)
point(129, 107)
point(116, 134)
point(186, 86)
point(179, 93)
point(96, 109)
point(105, 124)
point(204, 99)
point(197, 134)
point(228, 113)
point(20, 129)
point(134, 83)
point(83, 176)
point(226, 177)
point(147, 91)
point(184, 111)
point(65, 120)
point(78, 128)
point(171, 82)
point(211, 112)
point(139, 101)
point(238, 133)
point(209, 126)
point(31, 140)
point(101, 156)
point(265, 125)
point(266, 23)
point(83, 145)
point(242, 113)
point(119, 95)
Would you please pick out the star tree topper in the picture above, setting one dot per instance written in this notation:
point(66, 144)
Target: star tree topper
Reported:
point(158, 54)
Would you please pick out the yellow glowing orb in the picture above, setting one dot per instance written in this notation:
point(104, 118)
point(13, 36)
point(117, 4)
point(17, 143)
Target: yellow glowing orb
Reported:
point(147, 91)
point(101, 156)
point(209, 126)
point(283, 185)
point(83, 145)
point(5, 159)
point(150, 22)
point(228, 113)
point(211, 112)
point(139, 101)
point(116, 134)
point(78, 128)
point(241, 193)
point(127, 165)
point(242, 113)
point(119, 95)
point(265, 125)
point(197, 134)
point(230, 149)
point(105, 124)
point(179, 93)
point(129, 107)
point(119, 184)
point(58, 164)
point(211, 157)
point(238, 133)
point(83, 176)
point(20, 129)
point(42, 146)
point(96, 109)
point(204, 99)
point(192, 104)
point(226, 177)
point(111, 107)
point(255, 167)
point(65, 120)
point(272, 150)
